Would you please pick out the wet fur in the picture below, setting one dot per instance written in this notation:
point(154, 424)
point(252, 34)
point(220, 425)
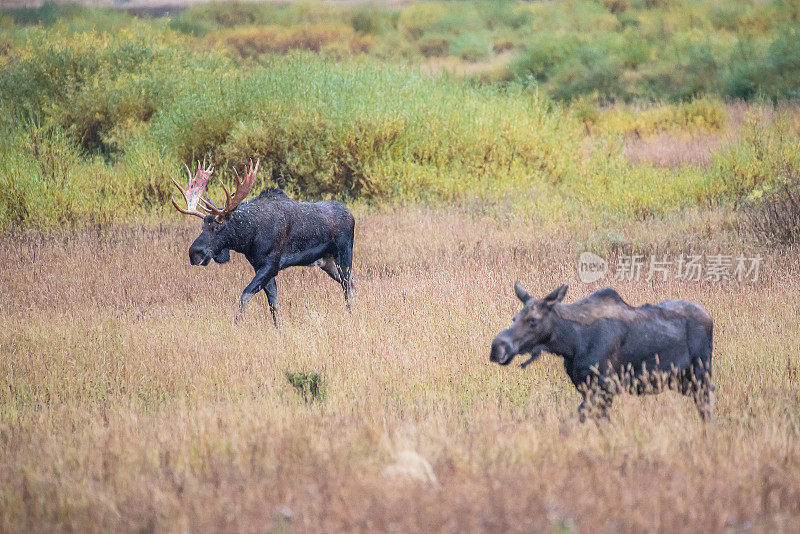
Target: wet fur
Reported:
point(275, 232)
point(609, 346)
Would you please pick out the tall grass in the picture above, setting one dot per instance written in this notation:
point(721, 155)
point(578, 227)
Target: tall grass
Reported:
point(130, 401)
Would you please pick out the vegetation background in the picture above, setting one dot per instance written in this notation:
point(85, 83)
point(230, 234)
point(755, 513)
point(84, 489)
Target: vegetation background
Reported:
point(477, 143)
point(530, 104)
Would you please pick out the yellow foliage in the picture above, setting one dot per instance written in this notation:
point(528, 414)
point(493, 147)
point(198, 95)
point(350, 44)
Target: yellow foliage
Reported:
point(249, 42)
point(704, 113)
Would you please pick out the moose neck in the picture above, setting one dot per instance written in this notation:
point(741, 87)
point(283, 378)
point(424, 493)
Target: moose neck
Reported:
point(239, 234)
point(564, 340)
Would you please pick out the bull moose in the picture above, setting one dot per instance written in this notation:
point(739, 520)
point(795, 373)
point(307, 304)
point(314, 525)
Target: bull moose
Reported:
point(272, 231)
point(610, 347)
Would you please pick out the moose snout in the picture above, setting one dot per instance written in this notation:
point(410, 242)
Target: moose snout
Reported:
point(198, 256)
point(500, 351)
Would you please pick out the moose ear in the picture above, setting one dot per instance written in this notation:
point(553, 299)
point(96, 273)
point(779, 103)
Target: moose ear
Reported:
point(521, 293)
point(556, 296)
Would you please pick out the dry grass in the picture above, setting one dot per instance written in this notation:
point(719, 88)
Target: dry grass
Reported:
point(131, 402)
point(671, 150)
point(695, 146)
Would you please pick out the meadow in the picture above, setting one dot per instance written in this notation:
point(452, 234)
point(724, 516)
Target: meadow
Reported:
point(129, 400)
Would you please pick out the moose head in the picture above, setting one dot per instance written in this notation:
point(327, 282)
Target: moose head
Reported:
point(218, 234)
point(531, 328)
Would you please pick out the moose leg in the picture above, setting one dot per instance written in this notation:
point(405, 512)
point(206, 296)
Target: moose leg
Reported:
point(604, 404)
point(583, 410)
point(328, 265)
point(704, 399)
point(345, 266)
point(271, 290)
point(262, 276)
point(598, 394)
point(701, 389)
point(596, 405)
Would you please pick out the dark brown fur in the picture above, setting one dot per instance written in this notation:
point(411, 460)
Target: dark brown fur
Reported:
point(609, 346)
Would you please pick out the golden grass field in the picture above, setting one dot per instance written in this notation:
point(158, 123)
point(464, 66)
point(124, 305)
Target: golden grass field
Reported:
point(130, 401)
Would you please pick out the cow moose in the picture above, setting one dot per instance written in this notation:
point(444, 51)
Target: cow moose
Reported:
point(610, 347)
point(272, 231)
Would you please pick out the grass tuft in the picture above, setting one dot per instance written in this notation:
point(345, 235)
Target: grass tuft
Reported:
point(311, 386)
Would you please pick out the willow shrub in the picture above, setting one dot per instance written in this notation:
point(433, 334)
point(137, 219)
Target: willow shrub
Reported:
point(97, 85)
point(368, 130)
point(125, 110)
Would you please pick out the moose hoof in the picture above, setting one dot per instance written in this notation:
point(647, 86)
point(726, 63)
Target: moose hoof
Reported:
point(582, 412)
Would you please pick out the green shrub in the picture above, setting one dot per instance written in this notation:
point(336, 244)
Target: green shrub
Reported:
point(44, 181)
point(124, 103)
point(471, 46)
point(253, 42)
point(773, 216)
point(228, 14)
point(94, 86)
point(48, 13)
point(505, 14)
point(763, 155)
point(593, 71)
point(216, 15)
point(310, 386)
point(72, 18)
point(783, 65)
point(434, 46)
point(744, 72)
point(706, 113)
point(190, 25)
point(617, 50)
point(370, 18)
point(542, 54)
point(585, 109)
point(418, 18)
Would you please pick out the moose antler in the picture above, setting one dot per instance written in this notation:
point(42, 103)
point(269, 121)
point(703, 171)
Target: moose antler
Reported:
point(243, 188)
point(199, 206)
point(194, 192)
